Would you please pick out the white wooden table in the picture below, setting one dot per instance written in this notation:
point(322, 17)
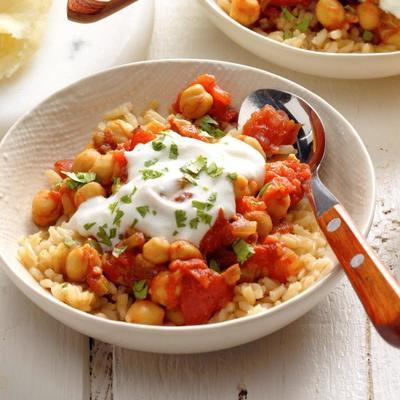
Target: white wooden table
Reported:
point(331, 353)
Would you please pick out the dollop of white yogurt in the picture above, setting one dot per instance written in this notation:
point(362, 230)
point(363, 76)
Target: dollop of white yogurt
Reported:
point(391, 6)
point(164, 196)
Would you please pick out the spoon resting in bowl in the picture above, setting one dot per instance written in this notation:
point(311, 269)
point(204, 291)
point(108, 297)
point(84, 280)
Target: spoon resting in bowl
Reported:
point(376, 288)
point(93, 10)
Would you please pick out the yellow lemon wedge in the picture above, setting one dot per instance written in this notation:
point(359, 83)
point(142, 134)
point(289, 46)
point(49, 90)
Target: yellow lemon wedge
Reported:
point(21, 28)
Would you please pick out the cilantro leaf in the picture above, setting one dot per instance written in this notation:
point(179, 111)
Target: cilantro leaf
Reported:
point(232, 176)
point(287, 14)
point(118, 251)
point(118, 216)
point(213, 197)
point(211, 126)
point(149, 163)
point(213, 170)
point(180, 218)
point(116, 180)
point(69, 242)
point(158, 144)
point(143, 210)
point(103, 236)
point(78, 179)
point(242, 249)
point(194, 167)
point(89, 225)
point(173, 152)
point(150, 174)
point(140, 289)
point(194, 223)
point(303, 25)
point(113, 206)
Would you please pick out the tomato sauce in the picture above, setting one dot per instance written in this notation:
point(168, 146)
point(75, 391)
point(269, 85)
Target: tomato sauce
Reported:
point(271, 128)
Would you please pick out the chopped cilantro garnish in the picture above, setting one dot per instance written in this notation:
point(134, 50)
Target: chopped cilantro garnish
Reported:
point(174, 233)
point(116, 180)
point(149, 163)
point(186, 179)
point(103, 236)
point(173, 152)
point(210, 126)
point(214, 265)
point(69, 242)
point(180, 218)
point(213, 197)
point(194, 223)
point(242, 249)
point(204, 217)
point(200, 205)
point(264, 189)
point(194, 167)
point(140, 289)
point(118, 251)
point(232, 176)
point(95, 244)
point(118, 215)
point(113, 233)
point(158, 144)
point(135, 221)
point(126, 199)
point(154, 212)
point(89, 225)
point(150, 174)
point(113, 206)
point(287, 14)
point(78, 179)
point(143, 210)
point(64, 285)
point(214, 171)
point(303, 25)
point(367, 36)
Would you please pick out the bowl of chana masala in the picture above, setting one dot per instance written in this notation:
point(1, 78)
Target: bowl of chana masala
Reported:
point(351, 39)
point(172, 221)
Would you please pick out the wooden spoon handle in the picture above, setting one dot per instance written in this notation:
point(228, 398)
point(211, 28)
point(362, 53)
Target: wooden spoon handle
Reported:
point(93, 10)
point(377, 289)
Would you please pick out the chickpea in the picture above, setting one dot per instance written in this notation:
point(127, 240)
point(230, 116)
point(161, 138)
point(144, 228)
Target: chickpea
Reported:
point(242, 228)
point(104, 168)
point(85, 160)
point(330, 13)
point(246, 12)
point(76, 264)
point(195, 102)
point(182, 250)
point(175, 316)
point(240, 186)
point(253, 142)
point(145, 312)
point(68, 202)
point(278, 208)
point(264, 222)
point(142, 264)
point(46, 207)
point(165, 288)
point(253, 188)
point(369, 15)
point(135, 240)
point(87, 191)
point(156, 250)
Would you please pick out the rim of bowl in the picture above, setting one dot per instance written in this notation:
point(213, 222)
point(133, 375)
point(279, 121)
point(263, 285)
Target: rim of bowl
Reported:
point(35, 289)
point(213, 6)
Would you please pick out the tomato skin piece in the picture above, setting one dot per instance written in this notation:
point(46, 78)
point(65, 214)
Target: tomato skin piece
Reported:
point(186, 129)
point(63, 165)
point(139, 136)
point(219, 235)
point(271, 128)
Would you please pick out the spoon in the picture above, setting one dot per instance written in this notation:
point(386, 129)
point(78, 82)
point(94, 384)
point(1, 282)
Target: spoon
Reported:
point(93, 10)
point(376, 288)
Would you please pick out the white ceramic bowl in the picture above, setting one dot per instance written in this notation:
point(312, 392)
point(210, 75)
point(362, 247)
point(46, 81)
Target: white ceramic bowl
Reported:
point(342, 66)
point(60, 126)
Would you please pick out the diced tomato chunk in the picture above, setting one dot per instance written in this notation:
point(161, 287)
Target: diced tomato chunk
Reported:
point(120, 270)
point(63, 165)
point(273, 259)
point(288, 177)
point(204, 291)
point(249, 203)
point(218, 236)
point(139, 136)
point(271, 128)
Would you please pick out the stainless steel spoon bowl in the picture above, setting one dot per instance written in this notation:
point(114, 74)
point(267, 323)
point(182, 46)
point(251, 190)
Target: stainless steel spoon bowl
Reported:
point(376, 288)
